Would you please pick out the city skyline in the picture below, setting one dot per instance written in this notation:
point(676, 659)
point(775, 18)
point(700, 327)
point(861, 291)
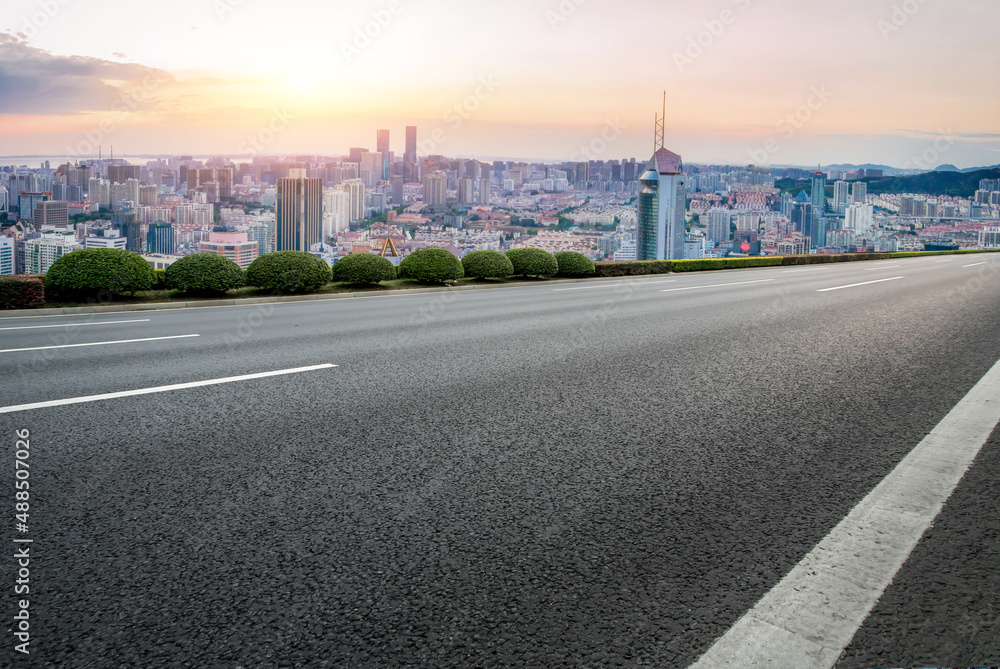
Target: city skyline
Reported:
point(775, 85)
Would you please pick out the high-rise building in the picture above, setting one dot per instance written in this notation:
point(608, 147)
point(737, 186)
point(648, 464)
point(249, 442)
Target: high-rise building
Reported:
point(41, 252)
point(6, 255)
point(859, 217)
point(841, 196)
point(124, 219)
point(397, 181)
point(382, 146)
point(160, 239)
point(818, 198)
point(410, 156)
point(147, 195)
point(356, 189)
point(298, 212)
point(119, 174)
point(483, 192)
point(336, 212)
point(225, 178)
point(99, 191)
point(51, 213)
point(28, 200)
point(660, 229)
point(233, 245)
point(718, 223)
point(436, 188)
point(859, 192)
point(802, 214)
point(466, 191)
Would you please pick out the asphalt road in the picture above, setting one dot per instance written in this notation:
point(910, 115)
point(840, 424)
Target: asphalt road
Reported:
point(602, 474)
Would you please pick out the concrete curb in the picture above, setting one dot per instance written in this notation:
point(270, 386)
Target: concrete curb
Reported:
point(246, 301)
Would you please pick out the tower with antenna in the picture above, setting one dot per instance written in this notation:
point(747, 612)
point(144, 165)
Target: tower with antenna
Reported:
point(660, 230)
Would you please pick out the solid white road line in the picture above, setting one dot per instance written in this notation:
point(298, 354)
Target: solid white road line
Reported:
point(74, 325)
point(872, 269)
point(96, 343)
point(975, 264)
point(863, 283)
point(160, 389)
point(616, 285)
point(945, 260)
point(714, 285)
point(807, 620)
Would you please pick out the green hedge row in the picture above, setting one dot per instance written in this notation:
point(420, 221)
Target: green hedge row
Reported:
point(631, 267)
point(21, 292)
point(724, 263)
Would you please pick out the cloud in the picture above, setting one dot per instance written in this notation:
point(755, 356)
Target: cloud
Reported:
point(36, 81)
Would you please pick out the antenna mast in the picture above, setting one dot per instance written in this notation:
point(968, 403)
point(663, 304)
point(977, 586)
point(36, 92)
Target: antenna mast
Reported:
point(660, 124)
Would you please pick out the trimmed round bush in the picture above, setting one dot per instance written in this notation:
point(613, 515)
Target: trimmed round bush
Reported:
point(289, 271)
point(94, 271)
point(363, 268)
point(431, 266)
point(533, 262)
point(572, 263)
point(204, 274)
point(487, 265)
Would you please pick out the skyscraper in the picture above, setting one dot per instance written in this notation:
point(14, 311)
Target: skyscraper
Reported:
point(382, 146)
point(661, 208)
point(841, 196)
point(436, 188)
point(125, 221)
point(160, 239)
point(298, 212)
point(355, 188)
point(802, 214)
point(410, 156)
point(818, 198)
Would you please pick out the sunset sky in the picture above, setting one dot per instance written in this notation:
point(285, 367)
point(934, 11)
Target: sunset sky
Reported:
point(871, 80)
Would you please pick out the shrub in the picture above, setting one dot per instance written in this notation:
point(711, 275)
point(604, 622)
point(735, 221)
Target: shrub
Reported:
point(161, 279)
point(289, 271)
point(431, 266)
point(487, 265)
point(533, 262)
point(572, 263)
point(90, 271)
point(703, 264)
point(21, 292)
point(631, 267)
point(204, 274)
point(363, 268)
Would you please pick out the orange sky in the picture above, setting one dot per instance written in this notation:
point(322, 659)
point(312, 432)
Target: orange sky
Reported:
point(775, 83)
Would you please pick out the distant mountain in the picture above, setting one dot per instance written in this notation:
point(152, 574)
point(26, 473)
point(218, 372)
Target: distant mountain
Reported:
point(980, 169)
point(954, 183)
point(847, 167)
